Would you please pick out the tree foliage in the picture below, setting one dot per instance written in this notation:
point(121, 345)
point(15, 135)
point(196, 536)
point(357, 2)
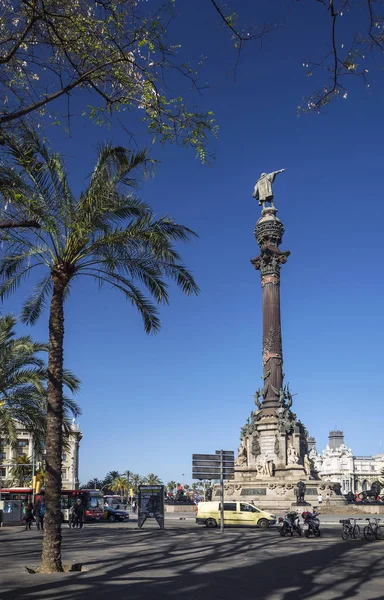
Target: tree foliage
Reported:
point(23, 385)
point(117, 51)
point(351, 33)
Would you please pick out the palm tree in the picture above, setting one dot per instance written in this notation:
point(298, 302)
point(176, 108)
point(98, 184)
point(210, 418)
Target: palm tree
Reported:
point(23, 386)
point(120, 485)
point(21, 472)
point(135, 482)
point(106, 235)
point(152, 479)
point(171, 485)
point(111, 476)
point(92, 484)
point(108, 480)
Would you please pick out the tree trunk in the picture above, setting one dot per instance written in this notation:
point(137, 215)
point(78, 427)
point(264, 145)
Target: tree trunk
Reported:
point(51, 558)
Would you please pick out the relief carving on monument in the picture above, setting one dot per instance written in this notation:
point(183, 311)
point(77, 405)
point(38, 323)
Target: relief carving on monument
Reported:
point(265, 466)
point(280, 488)
point(230, 488)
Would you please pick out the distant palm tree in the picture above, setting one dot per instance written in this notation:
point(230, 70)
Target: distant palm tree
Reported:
point(106, 235)
point(120, 485)
point(21, 472)
point(171, 485)
point(107, 482)
point(152, 479)
point(112, 475)
point(92, 484)
point(135, 482)
point(23, 386)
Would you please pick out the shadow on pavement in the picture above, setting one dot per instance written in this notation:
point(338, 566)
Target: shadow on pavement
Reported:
point(200, 564)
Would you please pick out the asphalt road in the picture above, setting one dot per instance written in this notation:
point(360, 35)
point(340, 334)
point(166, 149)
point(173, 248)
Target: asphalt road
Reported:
point(191, 562)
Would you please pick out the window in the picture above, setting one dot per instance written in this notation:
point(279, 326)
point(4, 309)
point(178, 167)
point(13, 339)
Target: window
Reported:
point(22, 447)
point(230, 506)
point(63, 457)
point(247, 508)
point(3, 455)
point(3, 472)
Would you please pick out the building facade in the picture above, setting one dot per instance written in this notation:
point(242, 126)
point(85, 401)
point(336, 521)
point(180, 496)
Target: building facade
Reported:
point(338, 464)
point(24, 447)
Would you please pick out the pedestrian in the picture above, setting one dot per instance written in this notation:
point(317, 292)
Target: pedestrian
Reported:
point(42, 513)
point(78, 512)
point(327, 500)
point(320, 499)
point(28, 516)
point(36, 512)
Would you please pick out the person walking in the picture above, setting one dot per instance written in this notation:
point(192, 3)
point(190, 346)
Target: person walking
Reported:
point(42, 513)
point(320, 499)
point(28, 516)
point(36, 512)
point(78, 512)
point(327, 500)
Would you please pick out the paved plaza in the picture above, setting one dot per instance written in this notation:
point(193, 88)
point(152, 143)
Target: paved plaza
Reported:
point(191, 562)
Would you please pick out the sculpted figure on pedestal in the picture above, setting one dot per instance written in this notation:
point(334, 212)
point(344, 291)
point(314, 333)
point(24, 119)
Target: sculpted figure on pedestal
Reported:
point(293, 457)
point(242, 457)
point(307, 465)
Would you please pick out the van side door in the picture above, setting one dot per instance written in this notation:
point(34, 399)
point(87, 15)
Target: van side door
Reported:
point(230, 513)
point(246, 514)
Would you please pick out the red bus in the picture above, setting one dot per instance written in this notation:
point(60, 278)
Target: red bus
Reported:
point(92, 500)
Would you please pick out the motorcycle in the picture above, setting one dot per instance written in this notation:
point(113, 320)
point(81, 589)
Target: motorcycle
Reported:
point(311, 524)
point(289, 524)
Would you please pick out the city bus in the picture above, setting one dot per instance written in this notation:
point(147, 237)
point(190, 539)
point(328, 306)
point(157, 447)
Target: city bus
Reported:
point(13, 499)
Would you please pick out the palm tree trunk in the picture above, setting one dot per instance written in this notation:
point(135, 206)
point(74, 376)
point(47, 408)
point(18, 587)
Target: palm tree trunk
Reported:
point(51, 558)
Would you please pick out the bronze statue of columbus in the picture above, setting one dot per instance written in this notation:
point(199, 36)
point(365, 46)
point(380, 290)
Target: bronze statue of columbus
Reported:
point(263, 188)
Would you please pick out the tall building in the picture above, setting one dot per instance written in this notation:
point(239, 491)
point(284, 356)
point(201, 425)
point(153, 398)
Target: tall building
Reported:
point(338, 464)
point(24, 447)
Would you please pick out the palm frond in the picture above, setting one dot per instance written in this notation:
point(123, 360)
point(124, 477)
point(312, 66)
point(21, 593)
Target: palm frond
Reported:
point(36, 301)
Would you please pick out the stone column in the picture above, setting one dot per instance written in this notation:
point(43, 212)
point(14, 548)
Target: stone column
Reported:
point(269, 233)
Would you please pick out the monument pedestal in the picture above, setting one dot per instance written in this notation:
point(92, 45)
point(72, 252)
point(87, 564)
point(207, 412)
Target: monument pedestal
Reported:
point(269, 493)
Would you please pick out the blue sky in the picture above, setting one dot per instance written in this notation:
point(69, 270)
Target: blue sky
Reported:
point(150, 402)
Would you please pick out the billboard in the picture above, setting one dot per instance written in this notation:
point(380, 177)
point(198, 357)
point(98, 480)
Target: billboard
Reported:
point(151, 504)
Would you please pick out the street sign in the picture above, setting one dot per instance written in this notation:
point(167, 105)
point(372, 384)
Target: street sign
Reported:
point(211, 457)
point(208, 463)
point(213, 466)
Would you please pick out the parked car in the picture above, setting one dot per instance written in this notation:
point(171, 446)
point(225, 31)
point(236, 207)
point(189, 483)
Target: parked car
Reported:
point(111, 514)
point(235, 513)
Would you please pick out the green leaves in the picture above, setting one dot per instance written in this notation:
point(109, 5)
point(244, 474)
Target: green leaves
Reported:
point(108, 234)
point(23, 384)
point(118, 51)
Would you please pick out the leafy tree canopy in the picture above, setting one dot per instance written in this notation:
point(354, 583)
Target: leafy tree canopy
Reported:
point(118, 50)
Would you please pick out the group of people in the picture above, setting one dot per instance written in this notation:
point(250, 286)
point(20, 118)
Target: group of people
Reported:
point(35, 512)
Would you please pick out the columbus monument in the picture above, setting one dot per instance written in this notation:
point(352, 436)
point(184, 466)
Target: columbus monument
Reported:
point(272, 462)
